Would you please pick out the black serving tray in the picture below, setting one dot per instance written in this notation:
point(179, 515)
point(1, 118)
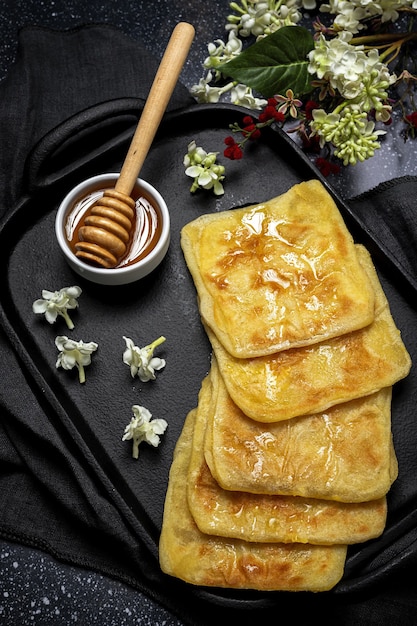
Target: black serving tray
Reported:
point(164, 303)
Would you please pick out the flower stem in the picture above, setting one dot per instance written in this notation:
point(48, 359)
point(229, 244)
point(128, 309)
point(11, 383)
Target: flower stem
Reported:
point(135, 450)
point(382, 37)
point(156, 343)
point(67, 319)
point(390, 43)
point(81, 373)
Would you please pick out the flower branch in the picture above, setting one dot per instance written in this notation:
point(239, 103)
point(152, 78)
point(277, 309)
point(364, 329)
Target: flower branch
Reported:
point(391, 44)
point(345, 66)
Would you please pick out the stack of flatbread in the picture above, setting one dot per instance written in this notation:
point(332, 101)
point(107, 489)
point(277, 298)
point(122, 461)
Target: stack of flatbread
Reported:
point(288, 456)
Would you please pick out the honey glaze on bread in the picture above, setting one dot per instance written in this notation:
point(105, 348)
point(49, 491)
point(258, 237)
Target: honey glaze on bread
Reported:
point(187, 553)
point(289, 455)
point(277, 275)
point(313, 378)
point(266, 518)
point(343, 454)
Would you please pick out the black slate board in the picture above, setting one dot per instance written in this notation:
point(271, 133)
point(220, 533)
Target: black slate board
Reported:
point(94, 414)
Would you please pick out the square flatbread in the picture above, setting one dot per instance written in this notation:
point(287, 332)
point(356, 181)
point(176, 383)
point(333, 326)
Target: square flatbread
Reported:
point(190, 555)
point(278, 275)
point(313, 378)
point(265, 518)
point(344, 454)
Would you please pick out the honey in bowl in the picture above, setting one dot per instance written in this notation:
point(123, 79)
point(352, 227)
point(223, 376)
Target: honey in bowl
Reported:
point(146, 231)
point(145, 251)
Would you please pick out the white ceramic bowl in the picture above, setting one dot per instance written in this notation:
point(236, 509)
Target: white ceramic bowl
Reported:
point(118, 275)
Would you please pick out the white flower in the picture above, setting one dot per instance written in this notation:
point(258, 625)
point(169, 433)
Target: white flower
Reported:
point(338, 62)
point(143, 428)
point(74, 354)
point(348, 15)
point(263, 17)
point(353, 14)
point(141, 361)
point(220, 52)
point(357, 75)
point(242, 95)
point(54, 303)
point(203, 168)
point(204, 92)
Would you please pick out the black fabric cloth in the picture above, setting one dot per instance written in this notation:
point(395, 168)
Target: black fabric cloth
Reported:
point(54, 494)
point(58, 74)
point(389, 213)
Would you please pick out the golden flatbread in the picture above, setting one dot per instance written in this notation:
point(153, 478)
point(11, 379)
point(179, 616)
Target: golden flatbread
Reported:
point(200, 559)
point(344, 454)
point(311, 379)
point(265, 518)
point(278, 275)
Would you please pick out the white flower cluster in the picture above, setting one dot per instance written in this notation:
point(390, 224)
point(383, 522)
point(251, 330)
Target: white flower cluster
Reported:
point(143, 364)
point(221, 52)
point(54, 303)
point(265, 17)
point(71, 353)
point(77, 354)
point(354, 137)
point(354, 73)
point(74, 354)
point(356, 78)
point(360, 77)
point(335, 60)
point(351, 15)
point(141, 361)
point(202, 166)
point(257, 18)
point(143, 428)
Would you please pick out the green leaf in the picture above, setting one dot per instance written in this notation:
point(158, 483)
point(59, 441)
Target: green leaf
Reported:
point(275, 63)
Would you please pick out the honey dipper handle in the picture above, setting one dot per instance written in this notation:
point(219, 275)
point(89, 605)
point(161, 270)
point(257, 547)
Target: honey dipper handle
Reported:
point(161, 90)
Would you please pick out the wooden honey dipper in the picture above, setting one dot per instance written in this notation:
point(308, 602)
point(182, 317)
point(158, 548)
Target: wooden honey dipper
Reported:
point(107, 226)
